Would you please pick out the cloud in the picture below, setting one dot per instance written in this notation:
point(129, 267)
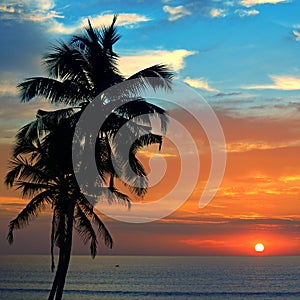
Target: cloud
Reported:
point(124, 19)
point(29, 10)
point(246, 13)
point(8, 83)
point(286, 83)
point(245, 146)
point(227, 94)
point(217, 13)
point(43, 11)
point(202, 243)
point(7, 88)
point(174, 59)
point(289, 178)
point(199, 83)
point(297, 35)
point(176, 12)
point(249, 3)
point(4, 8)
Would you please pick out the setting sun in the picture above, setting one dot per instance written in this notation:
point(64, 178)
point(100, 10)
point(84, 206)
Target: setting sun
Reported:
point(259, 247)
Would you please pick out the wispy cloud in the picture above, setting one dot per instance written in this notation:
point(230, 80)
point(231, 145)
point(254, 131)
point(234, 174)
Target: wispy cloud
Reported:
point(286, 83)
point(7, 88)
point(124, 19)
point(176, 12)
point(227, 94)
point(43, 11)
point(249, 3)
point(202, 243)
point(246, 13)
point(29, 10)
point(217, 13)
point(173, 58)
point(199, 83)
point(289, 178)
point(4, 8)
point(245, 146)
point(297, 35)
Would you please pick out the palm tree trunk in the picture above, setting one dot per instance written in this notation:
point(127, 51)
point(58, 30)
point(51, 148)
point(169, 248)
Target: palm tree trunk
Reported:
point(67, 254)
point(57, 274)
point(64, 259)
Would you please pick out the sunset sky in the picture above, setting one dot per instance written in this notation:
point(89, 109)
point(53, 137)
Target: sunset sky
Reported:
point(242, 56)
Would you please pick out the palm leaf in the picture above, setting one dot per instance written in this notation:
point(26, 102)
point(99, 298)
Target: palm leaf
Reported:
point(157, 77)
point(88, 210)
point(22, 170)
point(140, 109)
point(31, 188)
point(28, 137)
point(85, 229)
point(31, 210)
point(67, 92)
point(109, 37)
point(67, 63)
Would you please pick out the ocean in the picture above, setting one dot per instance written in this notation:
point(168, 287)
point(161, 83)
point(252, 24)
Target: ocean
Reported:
point(154, 277)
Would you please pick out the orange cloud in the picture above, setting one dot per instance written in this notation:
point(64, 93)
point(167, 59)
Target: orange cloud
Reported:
point(202, 243)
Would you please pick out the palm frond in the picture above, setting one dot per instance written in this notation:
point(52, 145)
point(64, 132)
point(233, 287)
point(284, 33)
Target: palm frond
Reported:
point(140, 109)
point(146, 140)
point(31, 210)
point(67, 92)
point(53, 118)
point(85, 229)
point(28, 134)
point(136, 181)
point(22, 170)
point(30, 188)
point(157, 77)
point(88, 41)
point(109, 37)
point(68, 63)
point(24, 147)
point(103, 70)
point(121, 197)
point(88, 210)
point(28, 137)
point(132, 168)
point(16, 166)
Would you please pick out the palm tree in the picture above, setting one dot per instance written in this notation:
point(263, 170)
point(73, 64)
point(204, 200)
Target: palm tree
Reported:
point(32, 172)
point(41, 164)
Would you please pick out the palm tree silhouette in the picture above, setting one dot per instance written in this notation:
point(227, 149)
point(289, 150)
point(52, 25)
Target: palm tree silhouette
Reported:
point(41, 163)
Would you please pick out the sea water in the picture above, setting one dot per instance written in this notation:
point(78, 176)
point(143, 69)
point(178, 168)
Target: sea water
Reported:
point(143, 277)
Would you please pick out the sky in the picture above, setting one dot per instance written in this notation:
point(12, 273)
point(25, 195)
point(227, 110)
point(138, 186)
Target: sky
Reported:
point(242, 56)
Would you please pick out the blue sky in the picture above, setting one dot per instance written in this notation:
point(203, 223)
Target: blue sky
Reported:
point(242, 52)
point(241, 55)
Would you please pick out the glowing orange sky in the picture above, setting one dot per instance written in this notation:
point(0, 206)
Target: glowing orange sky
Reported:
point(258, 200)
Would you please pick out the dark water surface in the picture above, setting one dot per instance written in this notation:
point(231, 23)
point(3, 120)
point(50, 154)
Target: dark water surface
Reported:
point(158, 277)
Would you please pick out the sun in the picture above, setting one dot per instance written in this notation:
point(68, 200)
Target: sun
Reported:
point(259, 247)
